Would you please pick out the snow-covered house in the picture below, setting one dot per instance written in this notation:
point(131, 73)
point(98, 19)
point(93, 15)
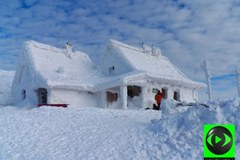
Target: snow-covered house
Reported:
point(127, 76)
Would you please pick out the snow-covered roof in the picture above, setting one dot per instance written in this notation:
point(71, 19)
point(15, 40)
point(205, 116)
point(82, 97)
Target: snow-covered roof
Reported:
point(154, 64)
point(62, 67)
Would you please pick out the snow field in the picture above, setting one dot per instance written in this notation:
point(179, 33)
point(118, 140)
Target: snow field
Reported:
point(95, 133)
point(59, 133)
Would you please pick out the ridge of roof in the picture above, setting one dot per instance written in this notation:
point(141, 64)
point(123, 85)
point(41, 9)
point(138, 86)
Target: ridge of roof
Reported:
point(121, 44)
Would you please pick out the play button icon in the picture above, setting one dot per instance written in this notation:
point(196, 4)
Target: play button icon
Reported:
point(219, 140)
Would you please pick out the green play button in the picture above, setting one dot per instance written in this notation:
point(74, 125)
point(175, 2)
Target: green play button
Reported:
point(217, 139)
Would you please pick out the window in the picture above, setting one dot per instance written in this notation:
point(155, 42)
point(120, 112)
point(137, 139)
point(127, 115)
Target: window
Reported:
point(111, 97)
point(164, 92)
point(176, 95)
point(24, 94)
point(133, 91)
point(111, 70)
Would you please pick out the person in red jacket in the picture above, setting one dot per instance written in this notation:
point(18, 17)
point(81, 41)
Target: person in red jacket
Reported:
point(158, 97)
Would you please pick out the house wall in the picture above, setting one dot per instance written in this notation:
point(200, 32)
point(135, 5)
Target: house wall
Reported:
point(147, 96)
point(23, 81)
point(186, 94)
point(74, 98)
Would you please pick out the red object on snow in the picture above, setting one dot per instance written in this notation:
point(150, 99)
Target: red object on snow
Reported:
point(53, 105)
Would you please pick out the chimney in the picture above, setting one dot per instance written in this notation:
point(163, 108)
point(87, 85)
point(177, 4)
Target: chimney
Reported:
point(69, 49)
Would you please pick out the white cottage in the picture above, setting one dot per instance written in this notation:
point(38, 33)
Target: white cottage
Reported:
point(128, 76)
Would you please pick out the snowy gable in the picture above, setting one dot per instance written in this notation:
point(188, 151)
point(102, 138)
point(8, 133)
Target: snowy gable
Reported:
point(61, 67)
point(150, 60)
point(112, 63)
point(143, 59)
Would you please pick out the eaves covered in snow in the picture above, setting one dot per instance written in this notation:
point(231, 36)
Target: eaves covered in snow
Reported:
point(140, 78)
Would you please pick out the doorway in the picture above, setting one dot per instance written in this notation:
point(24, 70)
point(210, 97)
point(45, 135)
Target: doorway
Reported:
point(133, 91)
point(42, 95)
point(165, 93)
point(176, 95)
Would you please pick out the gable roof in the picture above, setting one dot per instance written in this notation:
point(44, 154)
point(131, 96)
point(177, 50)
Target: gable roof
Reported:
point(155, 65)
point(57, 67)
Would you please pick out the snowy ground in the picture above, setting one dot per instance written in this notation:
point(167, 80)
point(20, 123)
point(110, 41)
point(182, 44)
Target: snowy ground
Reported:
point(58, 133)
point(94, 133)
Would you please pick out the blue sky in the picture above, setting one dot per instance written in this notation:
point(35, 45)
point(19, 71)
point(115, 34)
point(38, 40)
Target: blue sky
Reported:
point(186, 31)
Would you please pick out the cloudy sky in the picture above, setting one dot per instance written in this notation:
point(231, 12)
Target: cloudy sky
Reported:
point(187, 31)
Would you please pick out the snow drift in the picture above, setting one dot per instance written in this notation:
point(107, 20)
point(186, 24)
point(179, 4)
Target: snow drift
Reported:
point(180, 129)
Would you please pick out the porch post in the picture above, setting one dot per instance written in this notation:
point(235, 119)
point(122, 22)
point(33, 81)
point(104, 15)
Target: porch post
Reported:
point(123, 93)
point(103, 98)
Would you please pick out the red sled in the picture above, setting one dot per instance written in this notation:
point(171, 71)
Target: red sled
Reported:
point(54, 105)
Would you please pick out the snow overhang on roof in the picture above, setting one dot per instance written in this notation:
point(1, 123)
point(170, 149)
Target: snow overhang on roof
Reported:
point(136, 77)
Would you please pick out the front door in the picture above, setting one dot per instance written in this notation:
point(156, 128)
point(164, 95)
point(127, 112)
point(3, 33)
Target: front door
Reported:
point(42, 95)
